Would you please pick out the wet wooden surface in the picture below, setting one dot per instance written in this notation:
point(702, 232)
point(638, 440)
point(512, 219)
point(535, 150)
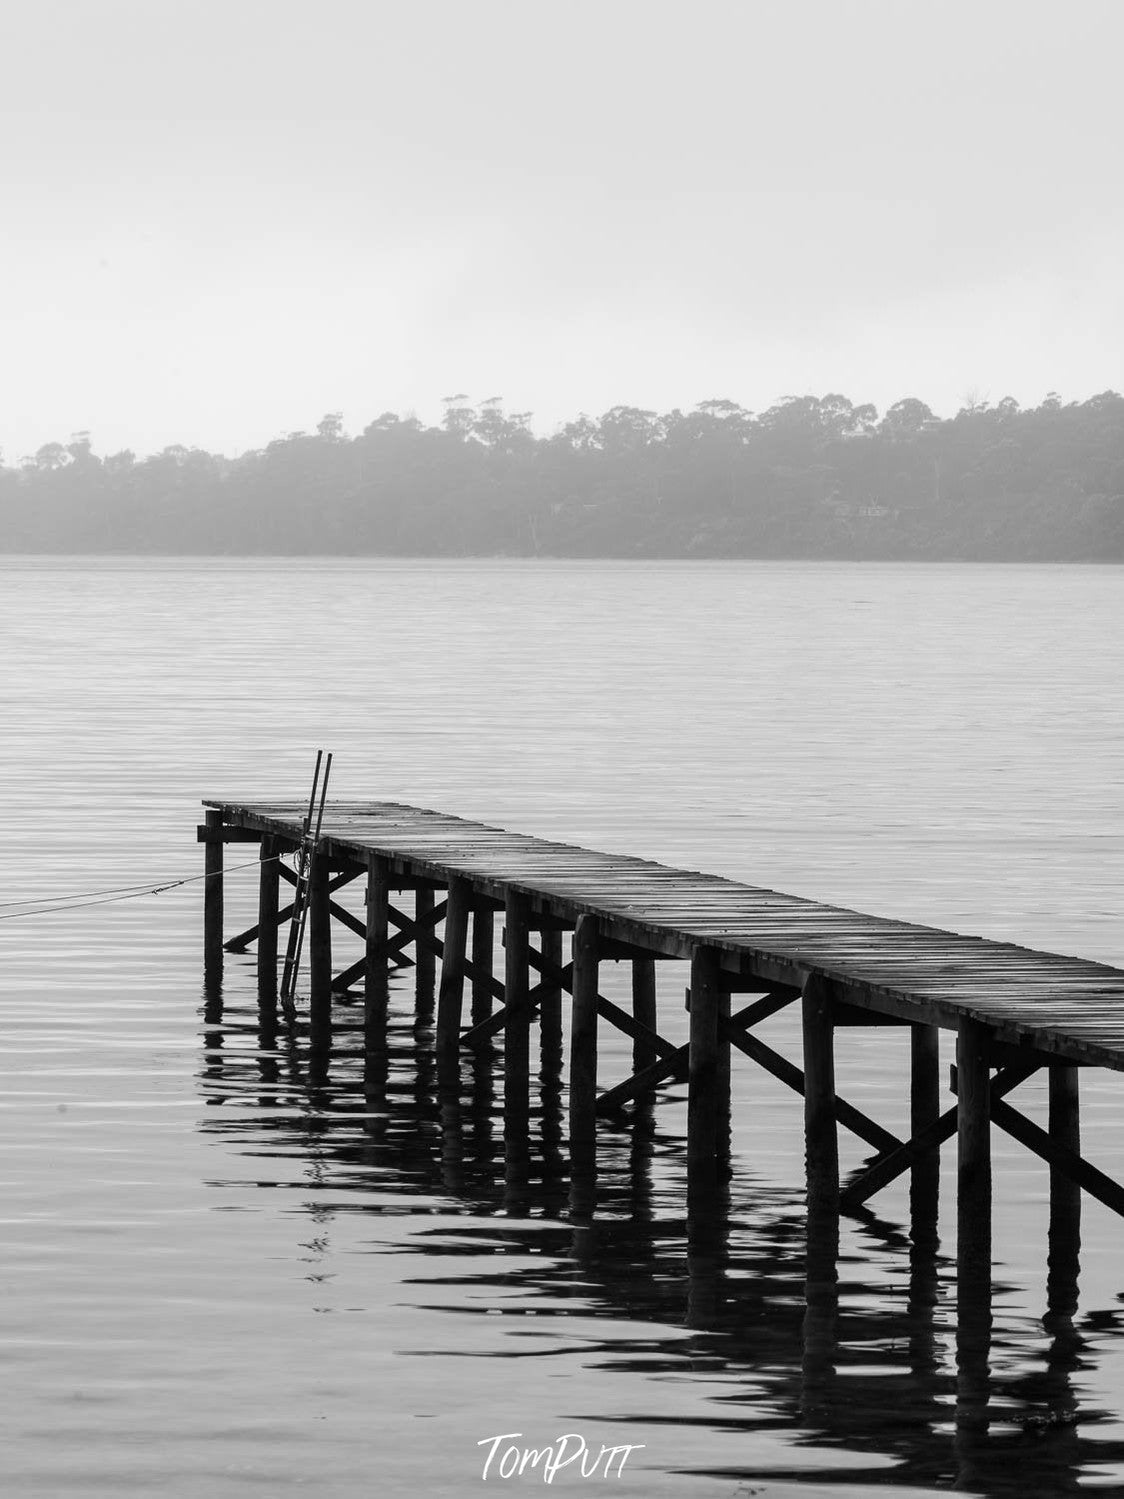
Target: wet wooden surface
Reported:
point(1065, 1006)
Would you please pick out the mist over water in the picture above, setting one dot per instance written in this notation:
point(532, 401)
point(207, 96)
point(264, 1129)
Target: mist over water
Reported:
point(235, 1268)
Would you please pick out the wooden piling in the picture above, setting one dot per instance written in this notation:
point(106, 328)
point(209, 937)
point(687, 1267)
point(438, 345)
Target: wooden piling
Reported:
point(425, 958)
point(269, 905)
point(376, 965)
point(703, 1078)
point(644, 1010)
point(973, 1193)
point(583, 1064)
point(320, 943)
point(517, 1035)
point(1064, 1241)
point(212, 897)
point(450, 1002)
point(924, 1111)
point(550, 1006)
point(723, 1143)
point(483, 949)
point(821, 1134)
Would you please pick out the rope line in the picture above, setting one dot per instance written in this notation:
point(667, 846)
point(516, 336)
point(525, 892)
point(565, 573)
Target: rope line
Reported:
point(47, 904)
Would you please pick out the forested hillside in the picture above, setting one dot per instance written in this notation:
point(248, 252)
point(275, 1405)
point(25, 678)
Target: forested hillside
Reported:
point(810, 477)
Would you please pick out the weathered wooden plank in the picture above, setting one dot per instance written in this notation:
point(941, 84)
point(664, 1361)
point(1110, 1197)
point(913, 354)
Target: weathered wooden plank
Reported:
point(1067, 1007)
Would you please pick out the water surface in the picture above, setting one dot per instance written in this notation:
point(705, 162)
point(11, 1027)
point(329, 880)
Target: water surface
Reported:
point(235, 1269)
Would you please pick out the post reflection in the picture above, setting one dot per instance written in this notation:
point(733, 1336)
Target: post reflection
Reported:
point(770, 1297)
point(821, 1311)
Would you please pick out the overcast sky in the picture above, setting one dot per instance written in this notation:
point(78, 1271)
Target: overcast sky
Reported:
point(223, 218)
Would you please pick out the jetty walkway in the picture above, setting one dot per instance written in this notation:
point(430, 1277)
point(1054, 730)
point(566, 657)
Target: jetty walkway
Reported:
point(1014, 1011)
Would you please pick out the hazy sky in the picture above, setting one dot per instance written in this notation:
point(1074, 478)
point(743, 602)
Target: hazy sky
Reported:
point(223, 218)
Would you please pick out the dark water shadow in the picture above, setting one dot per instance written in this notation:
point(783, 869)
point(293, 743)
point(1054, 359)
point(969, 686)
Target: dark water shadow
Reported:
point(845, 1336)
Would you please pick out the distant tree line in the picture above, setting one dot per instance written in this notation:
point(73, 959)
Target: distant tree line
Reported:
point(810, 477)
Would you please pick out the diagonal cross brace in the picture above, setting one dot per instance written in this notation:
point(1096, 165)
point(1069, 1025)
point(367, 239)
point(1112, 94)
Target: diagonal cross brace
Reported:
point(1067, 1161)
point(891, 1165)
point(477, 1035)
point(788, 1073)
point(252, 933)
point(672, 1061)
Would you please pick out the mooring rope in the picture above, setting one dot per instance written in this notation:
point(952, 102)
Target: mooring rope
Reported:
point(78, 899)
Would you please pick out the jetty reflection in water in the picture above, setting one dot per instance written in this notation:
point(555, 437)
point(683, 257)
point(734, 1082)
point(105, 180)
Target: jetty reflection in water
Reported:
point(812, 1341)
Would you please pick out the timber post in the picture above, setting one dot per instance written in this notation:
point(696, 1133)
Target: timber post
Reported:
point(450, 1001)
point(483, 948)
point(269, 904)
point(973, 1237)
point(1064, 1234)
point(821, 1132)
point(924, 1111)
point(425, 958)
point(703, 1077)
point(376, 963)
point(973, 1171)
point(550, 1007)
point(583, 1065)
point(517, 1033)
point(644, 1010)
point(212, 898)
point(320, 943)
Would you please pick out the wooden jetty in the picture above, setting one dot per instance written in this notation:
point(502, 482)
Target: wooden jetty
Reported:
point(1015, 1011)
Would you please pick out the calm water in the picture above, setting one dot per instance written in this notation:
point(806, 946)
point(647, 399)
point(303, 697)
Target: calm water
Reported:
point(233, 1272)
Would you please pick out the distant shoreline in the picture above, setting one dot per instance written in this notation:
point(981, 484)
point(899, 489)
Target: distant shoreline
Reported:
point(811, 479)
point(500, 557)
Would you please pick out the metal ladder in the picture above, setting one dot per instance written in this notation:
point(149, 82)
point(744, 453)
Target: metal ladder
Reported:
point(306, 860)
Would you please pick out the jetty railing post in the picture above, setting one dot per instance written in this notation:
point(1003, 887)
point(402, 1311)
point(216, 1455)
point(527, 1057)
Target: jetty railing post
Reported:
point(1064, 1241)
point(483, 948)
point(320, 943)
point(517, 1033)
point(425, 959)
point(376, 968)
point(269, 905)
point(212, 897)
point(643, 1009)
point(973, 1189)
point(924, 1111)
point(703, 1079)
point(821, 1132)
point(583, 1066)
point(450, 1001)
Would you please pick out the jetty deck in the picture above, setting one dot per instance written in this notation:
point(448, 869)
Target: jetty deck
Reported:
point(1015, 1011)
